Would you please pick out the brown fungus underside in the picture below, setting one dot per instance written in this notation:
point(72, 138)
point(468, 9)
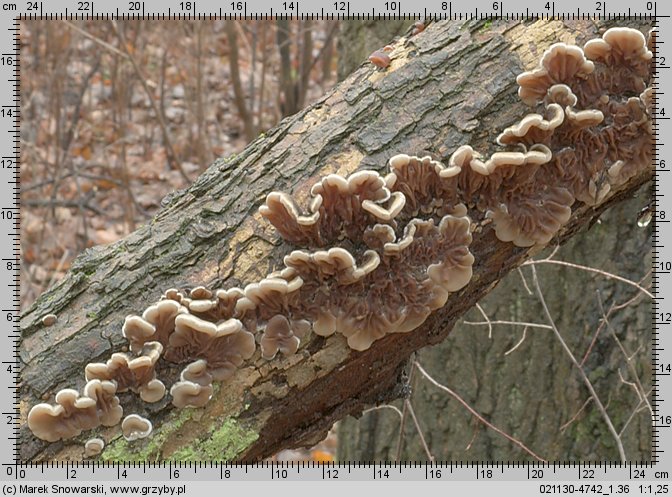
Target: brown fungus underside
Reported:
point(378, 254)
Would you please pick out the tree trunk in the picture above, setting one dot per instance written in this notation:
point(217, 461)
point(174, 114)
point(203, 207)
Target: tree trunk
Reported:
point(533, 391)
point(210, 234)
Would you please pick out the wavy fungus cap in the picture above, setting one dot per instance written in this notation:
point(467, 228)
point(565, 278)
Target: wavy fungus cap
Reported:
point(425, 183)
point(189, 394)
point(533, 128)
point(618, 45)
point(155, 325)
point(340, 207)
point(278, 337)
point(134, 373)
point(336, 263)
point(135, 427)
point(529, 221)
point(561, 63)
point(70, 416)
point(93, 447)
point(197, 372)
point(224, 346)
point(104, 393)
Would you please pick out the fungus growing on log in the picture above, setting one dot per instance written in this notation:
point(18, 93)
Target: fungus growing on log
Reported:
point(224, 346)
point(278, 337)
point(195, 386)
point(108, 407)
point(340, 207)
point(380, 59)
point(534, 128)
point(561, 63)
point(134, 373)
point(49, 319)
point(197, 372)
point(190, 394)
point(374, 254)
point(70, 416)
point(135, 427)
point(93, 447)
point(155, 325)
point(73, 413)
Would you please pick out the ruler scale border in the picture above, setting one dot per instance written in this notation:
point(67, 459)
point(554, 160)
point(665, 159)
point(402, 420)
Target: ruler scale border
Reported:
point(175, 471)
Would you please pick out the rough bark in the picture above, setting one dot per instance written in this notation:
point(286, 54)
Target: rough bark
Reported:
point(532, 392)
point(453, 84)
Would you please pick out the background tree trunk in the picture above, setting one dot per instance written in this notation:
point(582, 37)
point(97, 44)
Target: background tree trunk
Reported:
point(450, 85)
point(359, 39)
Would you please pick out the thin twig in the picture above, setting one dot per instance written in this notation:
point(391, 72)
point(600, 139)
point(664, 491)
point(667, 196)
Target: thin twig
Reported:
point(167, 142)
point(589, 385)
point(476, 414)
point(634, 413)
point(512, 323)
point(79, 204)
point(409, 407)
point(613, 308)
point(576, 415)
point(522, 277)
point(522, 339)
point(591, 270)
point(400, 437)
point(631, 384)
point(50, 182)
point(592, 343)
point(638, 384)
point(386, 406)
point(61, 263)
point(95, 39)
point(473, 437)
point(487, 320)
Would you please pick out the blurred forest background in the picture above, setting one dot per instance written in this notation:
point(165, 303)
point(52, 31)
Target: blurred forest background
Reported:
point(116, 115)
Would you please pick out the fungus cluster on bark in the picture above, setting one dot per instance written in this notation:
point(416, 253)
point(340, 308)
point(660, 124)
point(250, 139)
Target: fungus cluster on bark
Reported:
point(376, 254)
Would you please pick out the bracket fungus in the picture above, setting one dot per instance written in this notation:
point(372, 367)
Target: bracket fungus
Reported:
point(380, 59)
point(377, 254)
point(104, 393)
point(70, 416)
point(134, 373)
point(190, 394)
point(224, 346)
point(195, 386)
point(561, 63)
point(93, 447)
point(197, 372)
point(74, 413)
point(156, 324)
point(49, 319)
point(135, 427)
point(279, 337)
